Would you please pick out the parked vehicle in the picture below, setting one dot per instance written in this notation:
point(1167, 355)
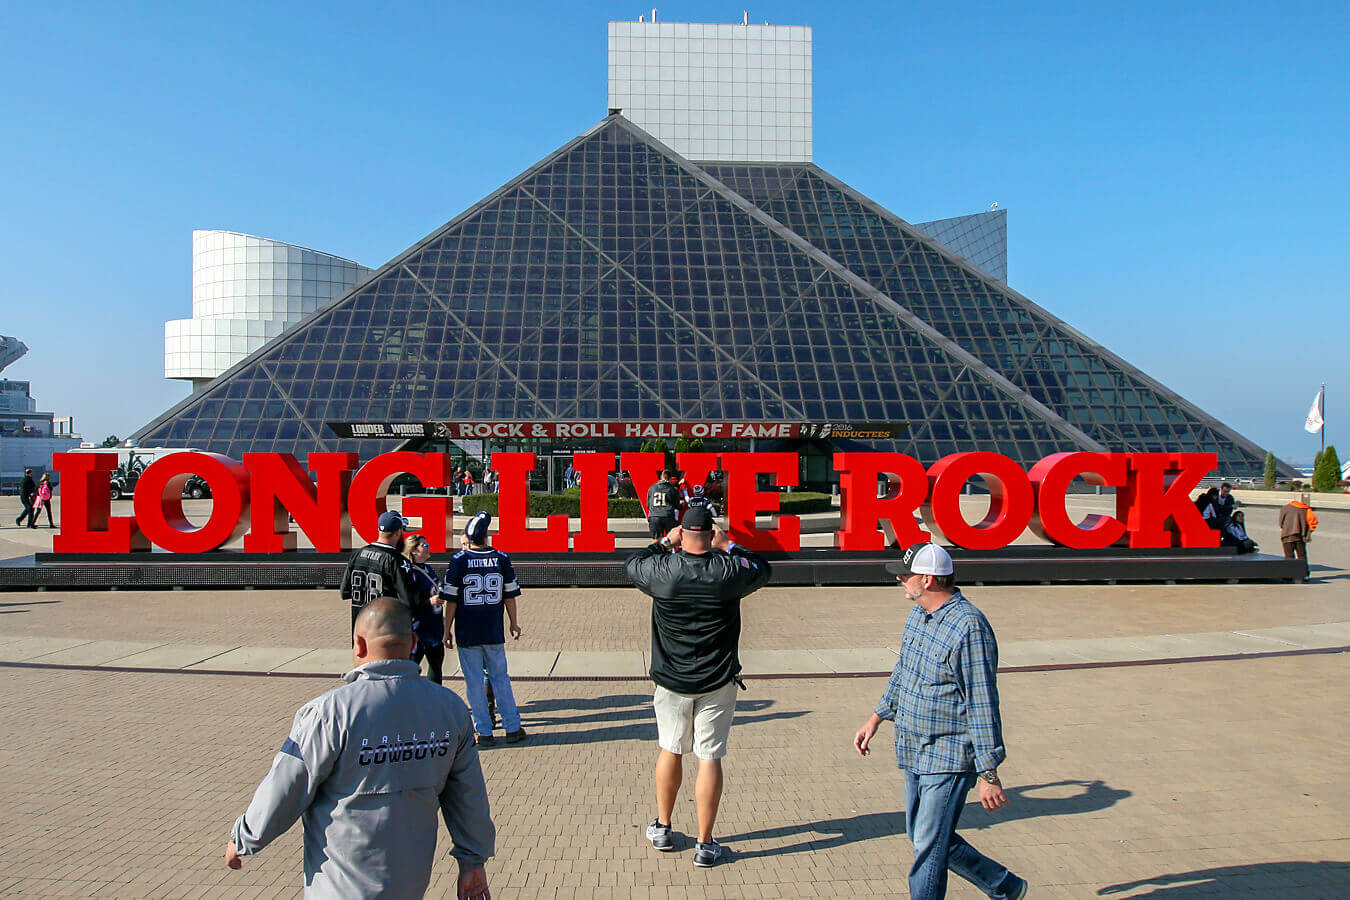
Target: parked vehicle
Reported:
point(133, 461)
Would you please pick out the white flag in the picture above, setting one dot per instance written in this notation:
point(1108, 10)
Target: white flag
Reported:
point(1315, 421)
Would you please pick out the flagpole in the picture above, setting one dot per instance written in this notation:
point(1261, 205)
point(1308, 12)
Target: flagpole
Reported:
point(1323, 395)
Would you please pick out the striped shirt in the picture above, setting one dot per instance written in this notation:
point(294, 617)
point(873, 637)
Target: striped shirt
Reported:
point(942, 695)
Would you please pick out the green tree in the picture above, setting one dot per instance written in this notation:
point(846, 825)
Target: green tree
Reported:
point(682, 444)
point(111, 440)
point(1271, 472)
point(1327, 472)
point(659, 446)
point(696, 445)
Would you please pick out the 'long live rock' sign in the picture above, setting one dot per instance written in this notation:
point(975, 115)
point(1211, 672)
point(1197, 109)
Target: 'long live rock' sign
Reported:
point(257, 498)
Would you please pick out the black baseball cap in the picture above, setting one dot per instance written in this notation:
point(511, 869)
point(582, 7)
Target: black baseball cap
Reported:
point(390, 521)
point(697, 518)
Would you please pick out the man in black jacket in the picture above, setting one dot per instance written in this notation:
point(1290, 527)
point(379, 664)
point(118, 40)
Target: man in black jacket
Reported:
point(27, 492)
point(380, 569)
point(696, 577)
point(663, 505)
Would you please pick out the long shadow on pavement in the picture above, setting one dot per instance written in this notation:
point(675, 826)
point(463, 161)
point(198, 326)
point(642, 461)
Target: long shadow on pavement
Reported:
point(1315, 572)
point(1023, 804)
point(630, 714)
point(1303, 881)
point(23, 604)
point(611, 708)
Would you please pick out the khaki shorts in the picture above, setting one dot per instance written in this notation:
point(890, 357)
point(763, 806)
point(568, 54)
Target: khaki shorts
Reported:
point(700, 721)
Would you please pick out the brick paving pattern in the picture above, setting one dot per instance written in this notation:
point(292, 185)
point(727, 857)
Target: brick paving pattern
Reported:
point(1182, 780)
point(1222, 773)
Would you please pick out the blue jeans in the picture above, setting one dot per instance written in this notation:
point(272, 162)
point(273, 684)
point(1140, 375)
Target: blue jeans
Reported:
point(472, 662)
point(933, 805)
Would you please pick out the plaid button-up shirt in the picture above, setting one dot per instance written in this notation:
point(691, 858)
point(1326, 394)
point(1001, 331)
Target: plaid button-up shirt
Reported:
point(942, 695)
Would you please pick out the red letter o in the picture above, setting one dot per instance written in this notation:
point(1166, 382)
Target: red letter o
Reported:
point(158, 502)
point(1010, 500)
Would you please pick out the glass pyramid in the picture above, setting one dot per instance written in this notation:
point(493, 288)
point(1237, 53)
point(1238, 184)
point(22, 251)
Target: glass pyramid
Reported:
point(1094, 390)
point(617, 280)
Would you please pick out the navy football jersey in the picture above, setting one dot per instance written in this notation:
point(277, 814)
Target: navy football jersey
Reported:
point(478, 581)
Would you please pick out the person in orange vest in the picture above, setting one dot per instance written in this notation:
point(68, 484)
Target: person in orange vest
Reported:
point(1297, 523)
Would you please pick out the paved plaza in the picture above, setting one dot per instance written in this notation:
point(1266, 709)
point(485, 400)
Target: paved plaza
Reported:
point(1175, 779)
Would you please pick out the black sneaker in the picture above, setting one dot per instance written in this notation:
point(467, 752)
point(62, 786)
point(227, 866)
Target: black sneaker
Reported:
point(659, 835)
point(485, 740)
point(707, 855)
point(515, 737)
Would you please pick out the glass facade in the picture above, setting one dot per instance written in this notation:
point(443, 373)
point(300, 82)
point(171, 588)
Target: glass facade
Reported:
point(980, 238)
point(617, 280)
point(1097, 392)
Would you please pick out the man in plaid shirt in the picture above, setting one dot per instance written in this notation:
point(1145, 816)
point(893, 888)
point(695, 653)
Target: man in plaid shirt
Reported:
point(943, 700)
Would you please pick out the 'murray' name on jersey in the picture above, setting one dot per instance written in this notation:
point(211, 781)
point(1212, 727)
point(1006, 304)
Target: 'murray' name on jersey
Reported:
point(479, 581)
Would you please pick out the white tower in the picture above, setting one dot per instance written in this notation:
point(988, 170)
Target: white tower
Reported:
point(726, 93)
point(246, 290)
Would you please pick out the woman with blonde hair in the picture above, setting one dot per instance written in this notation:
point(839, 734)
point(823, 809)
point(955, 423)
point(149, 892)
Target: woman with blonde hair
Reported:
point(428, 612)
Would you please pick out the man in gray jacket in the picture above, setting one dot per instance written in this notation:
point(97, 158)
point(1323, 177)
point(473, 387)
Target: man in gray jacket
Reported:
point(366, 766)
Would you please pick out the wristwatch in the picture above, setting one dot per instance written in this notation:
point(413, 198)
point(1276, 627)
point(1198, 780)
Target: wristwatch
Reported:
point(990, 775)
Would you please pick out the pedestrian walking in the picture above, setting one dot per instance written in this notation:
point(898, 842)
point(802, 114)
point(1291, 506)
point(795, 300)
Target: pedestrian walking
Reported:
point(663, 505)
point(379, 568)
point(27, 492)
point(366, 767)
point(481, 582)
point(943, 699)
point(43, 500)
point(429, 618)
point(1297, 524)
point(696, 577)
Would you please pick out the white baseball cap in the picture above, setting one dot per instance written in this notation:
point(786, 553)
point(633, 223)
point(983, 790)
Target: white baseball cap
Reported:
point(922, 559)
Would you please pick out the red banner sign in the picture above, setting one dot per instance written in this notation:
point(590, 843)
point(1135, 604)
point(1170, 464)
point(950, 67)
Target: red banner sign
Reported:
point(258, 497)
point(615, 430)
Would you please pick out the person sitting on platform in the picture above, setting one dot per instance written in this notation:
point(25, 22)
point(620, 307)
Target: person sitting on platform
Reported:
point(1207, 503)
point(1234, 534)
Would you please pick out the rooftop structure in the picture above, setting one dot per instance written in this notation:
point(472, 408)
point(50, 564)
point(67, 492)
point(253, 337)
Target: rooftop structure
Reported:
point(725, 92)
point(247, 290)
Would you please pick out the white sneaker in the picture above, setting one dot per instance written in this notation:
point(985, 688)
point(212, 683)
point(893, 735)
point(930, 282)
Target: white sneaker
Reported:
point(706, 855)
point(659, 835)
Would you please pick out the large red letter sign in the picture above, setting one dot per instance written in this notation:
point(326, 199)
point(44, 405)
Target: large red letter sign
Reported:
point(279, 486)
point(1010, 500)
point(86, 523)
point(696, 467)
point(861, 509)
point(159, 502)
point(513, 471)
point(1156, 500)
point(744, 501)
point(1052, 477)
point(594, 536)
point(645, 469)
point(370, 488)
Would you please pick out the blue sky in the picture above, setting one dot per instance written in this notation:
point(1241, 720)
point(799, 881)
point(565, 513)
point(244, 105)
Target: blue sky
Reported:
point(1174, 174)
